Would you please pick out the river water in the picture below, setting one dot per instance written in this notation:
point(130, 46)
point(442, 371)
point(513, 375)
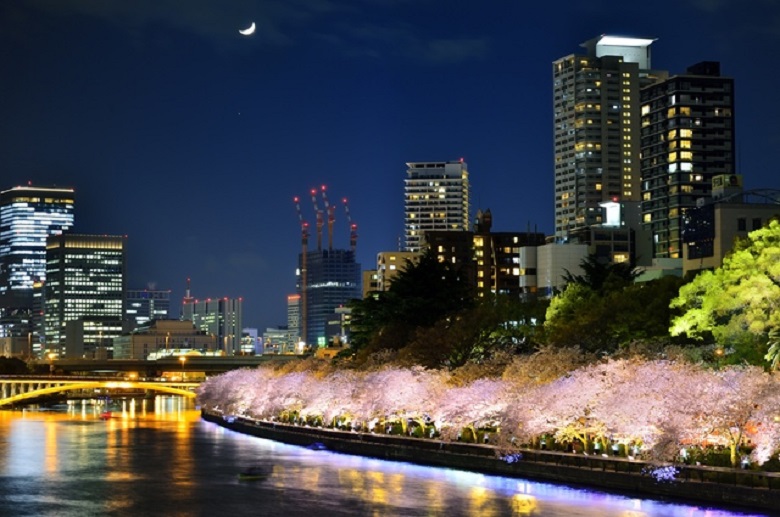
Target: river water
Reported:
point(157, 457)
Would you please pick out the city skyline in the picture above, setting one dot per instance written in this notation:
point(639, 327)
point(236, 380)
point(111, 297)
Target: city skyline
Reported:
point(192, 140)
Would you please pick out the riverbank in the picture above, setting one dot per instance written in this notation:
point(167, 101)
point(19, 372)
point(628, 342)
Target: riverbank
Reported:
point(746, 489)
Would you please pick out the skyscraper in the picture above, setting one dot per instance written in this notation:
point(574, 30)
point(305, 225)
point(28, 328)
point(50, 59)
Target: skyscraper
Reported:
point(333, 279)
point(84, 293)
point(596, 128)
point(436, 197)
point(145, 305)
point(687, 139)
point(221, 318)
point(28, 215)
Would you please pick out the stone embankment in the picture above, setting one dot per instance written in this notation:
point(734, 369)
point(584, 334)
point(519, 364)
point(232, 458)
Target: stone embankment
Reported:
point(747, 489)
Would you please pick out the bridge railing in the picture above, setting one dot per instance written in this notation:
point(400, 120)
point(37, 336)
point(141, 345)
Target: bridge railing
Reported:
point(19, 389)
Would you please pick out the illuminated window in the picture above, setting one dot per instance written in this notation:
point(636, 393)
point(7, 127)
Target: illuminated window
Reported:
point(673, 157)
point(647, 218)
point(686, 155)
point(686, 133)
point(684, 110)
point(685, 144)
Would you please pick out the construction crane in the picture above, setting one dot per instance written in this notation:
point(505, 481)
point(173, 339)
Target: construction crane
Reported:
point(352, 227)
point(320, 218)
point(304, 251)
point(331, 210)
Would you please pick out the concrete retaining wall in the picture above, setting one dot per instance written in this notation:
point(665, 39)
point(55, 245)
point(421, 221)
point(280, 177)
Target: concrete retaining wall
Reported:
point(716, 486)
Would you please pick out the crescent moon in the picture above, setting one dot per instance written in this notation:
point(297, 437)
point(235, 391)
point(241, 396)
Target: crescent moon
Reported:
point(248, 31)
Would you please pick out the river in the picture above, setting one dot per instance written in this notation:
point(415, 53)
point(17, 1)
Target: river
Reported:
point(157, 457)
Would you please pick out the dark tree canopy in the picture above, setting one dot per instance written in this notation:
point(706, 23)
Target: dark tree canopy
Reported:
point(423, 293)
point(599, 275)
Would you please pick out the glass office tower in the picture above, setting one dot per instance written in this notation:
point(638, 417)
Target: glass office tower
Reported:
point(28, 215)
point(84, 294)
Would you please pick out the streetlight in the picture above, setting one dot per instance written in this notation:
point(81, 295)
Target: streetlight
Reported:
point(51, 364)
point(183, 374)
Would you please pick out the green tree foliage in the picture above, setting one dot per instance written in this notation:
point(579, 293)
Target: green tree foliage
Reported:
point(604, 321)
point(739, 299)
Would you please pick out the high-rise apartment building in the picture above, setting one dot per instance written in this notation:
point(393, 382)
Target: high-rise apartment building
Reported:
point(28, 215)
point(84, 293)
point(436, 197)
point(487, 261)
point(687, 140)
point(596, 102)
point(294, 317)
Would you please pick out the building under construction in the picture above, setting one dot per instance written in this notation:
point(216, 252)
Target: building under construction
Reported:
point(328, 278)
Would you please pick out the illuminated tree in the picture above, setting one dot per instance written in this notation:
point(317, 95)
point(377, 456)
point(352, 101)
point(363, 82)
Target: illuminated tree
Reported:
point(729, 405)
point(574, 319)
point(641, 408)
point(481, 403)
point(653, 406)
point(741, 298)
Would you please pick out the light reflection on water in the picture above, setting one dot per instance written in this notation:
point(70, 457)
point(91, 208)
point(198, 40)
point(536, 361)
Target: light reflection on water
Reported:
point(157, 457)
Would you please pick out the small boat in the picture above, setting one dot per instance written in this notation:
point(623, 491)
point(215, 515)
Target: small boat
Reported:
point(317, 446)
point(253, 474)
point(105, 415)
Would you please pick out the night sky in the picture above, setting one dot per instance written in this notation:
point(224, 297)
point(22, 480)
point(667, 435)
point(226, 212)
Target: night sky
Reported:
point(192, 139)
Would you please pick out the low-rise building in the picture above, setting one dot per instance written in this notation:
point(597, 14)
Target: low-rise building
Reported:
point(161, 338)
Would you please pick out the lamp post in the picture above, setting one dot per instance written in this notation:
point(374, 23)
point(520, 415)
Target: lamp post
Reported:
point(183, 374)
point(51, 364)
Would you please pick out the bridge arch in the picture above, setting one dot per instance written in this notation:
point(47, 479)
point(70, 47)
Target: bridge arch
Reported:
point(86, 385)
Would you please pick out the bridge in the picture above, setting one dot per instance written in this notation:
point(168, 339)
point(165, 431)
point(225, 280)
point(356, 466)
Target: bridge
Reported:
point(208, 365)
point(19, 389)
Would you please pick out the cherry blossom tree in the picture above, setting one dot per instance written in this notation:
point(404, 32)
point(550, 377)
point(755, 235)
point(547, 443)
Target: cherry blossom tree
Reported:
point(481, 403)
point(640, 408)
point(660, 405)
point(732, 404)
